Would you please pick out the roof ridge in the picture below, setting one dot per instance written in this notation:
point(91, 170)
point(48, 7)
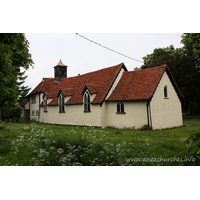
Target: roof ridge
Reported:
point(106, 68)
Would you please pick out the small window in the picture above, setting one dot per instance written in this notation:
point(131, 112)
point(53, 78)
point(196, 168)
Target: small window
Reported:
point(86, 102)
point(45, 104)
point(33, 99)
point(166, 92)
point(61, 103)
point(37, 112)
point(33, 112)
point(120, 108)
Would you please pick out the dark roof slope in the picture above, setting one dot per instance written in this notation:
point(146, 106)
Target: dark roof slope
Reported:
point(140, 84)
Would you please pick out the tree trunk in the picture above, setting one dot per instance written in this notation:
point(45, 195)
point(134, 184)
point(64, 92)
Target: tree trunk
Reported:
point(1, 114)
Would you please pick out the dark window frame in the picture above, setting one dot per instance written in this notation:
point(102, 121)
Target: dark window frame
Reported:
point(166, 94)
point(61, 103)
point(86, 102)
point(45, 103)
point(120, 108)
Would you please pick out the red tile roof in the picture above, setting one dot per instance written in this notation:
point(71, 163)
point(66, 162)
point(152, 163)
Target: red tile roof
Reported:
point(98, 82)
point(92, 88)
point(137, 85)
point(47, 85)
point(134, 85)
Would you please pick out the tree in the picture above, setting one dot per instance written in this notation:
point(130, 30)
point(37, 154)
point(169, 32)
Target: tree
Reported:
point(182, 67)
point(22, 61)
point(191, 46)
point(14, 54)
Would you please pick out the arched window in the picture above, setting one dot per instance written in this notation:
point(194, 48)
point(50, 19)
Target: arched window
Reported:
point(45, 103)
point(166, 92)
point(120, 108)
point(86, 102)
point(61, 103)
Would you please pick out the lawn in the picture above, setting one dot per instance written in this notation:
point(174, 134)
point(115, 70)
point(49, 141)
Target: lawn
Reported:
point(30, 144)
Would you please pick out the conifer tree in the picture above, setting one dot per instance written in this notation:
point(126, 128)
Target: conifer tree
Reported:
point(14, 53)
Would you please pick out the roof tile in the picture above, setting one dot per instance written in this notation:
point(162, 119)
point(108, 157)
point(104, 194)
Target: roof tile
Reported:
point(137, 85)
point(98, 82)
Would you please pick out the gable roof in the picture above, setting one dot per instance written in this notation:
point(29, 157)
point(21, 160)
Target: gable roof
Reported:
point(98, 82)
point(140, 84)
point(48, 86)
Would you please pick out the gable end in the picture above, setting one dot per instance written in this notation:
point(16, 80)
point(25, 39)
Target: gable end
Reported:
point(122, 67)
point(166, 69)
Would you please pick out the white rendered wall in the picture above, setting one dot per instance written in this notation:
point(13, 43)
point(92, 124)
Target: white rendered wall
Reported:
point(166, 113)
point(135, 116)
point(73, 115)
point(35, 106)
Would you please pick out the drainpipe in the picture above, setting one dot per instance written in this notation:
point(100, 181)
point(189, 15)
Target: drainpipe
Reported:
point(149, 120)
point(29, 100)
point(39, 108)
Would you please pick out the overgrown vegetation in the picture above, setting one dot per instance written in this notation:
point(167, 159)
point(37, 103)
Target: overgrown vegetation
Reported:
point(40, 144)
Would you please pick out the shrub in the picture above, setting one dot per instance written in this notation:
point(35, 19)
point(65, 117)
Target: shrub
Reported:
point(2, 125)
point(194, 149)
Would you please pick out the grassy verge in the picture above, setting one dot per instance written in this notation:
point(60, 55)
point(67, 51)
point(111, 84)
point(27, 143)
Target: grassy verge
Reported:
point(44, 144)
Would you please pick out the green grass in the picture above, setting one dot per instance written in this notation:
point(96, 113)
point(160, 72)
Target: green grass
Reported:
point(46, 144)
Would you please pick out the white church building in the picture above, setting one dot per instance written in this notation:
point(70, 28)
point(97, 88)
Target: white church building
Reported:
point(112, 96)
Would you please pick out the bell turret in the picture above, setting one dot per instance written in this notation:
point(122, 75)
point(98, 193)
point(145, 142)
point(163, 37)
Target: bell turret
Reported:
point(60, 71)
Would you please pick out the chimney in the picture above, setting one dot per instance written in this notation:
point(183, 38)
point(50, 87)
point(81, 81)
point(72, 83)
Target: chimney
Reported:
point(60, 71)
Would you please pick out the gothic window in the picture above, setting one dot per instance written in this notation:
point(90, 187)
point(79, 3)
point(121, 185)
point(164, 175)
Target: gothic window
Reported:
point(86, 102)
point(61, 100)
point(120, 108)
point(45, 104)
point(166, 92)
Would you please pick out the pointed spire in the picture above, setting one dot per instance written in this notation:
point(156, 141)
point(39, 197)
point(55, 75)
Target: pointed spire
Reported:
point(60, 63)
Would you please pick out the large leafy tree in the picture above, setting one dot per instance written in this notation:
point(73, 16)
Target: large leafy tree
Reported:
point(14, 54)
point(191, 46)
point(183, 70)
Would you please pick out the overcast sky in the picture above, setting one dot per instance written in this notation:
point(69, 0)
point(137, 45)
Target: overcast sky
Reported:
point(82, 56)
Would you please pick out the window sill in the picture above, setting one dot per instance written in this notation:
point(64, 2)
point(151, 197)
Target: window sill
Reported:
point(61, 111)
point(166, 97)
point(45, 111)
point(120, 112)
point(87, 111)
